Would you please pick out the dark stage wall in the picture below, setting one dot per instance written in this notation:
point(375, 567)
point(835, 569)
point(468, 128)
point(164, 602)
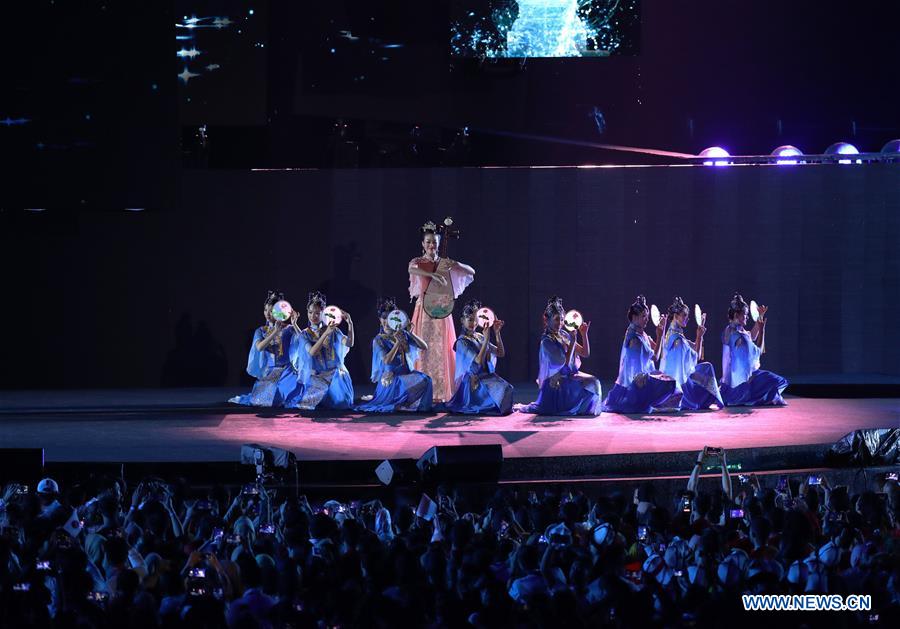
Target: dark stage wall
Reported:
point(171, 298)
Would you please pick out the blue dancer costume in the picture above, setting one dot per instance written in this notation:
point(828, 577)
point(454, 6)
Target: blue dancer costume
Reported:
point(326, 382)
point(696, 387)
point(276, 378)
point(564, 390)
point(743, 382)
point(478, 389)
point(398, 386)
point(639, 388)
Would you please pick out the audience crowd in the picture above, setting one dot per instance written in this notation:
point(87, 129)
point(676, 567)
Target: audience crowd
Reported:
point(101, 554)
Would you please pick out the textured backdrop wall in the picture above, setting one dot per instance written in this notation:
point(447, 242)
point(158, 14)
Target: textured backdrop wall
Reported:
point(143, 299)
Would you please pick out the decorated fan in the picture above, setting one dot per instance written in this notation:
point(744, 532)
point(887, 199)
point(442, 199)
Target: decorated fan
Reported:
point(333, 315)
point(282, 310)
point(485, 317)
point(698, 314)
point(397, 320)
point(573, 320)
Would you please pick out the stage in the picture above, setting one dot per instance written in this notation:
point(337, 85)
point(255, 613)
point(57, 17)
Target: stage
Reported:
point(191, 425)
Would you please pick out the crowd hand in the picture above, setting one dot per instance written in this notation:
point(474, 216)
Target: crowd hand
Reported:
point(9, 492)
point(235, 505)
point(447, 506)
point(754, 480)
point(593, 520)
point(193, 559)
point(137, 495)
point(486, 520)
point(214, 562)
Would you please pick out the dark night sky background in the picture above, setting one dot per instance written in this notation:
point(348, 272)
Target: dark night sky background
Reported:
point(97, 82)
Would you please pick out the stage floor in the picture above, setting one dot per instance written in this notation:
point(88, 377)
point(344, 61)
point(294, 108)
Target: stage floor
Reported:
point(185, 426)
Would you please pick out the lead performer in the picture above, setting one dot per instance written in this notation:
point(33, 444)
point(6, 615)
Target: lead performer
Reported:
point(452, 278)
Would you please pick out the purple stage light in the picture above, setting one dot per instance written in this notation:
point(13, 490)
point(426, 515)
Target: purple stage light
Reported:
point(714, 151)
point(843, 148)
point(787, 150)
point(891, 147)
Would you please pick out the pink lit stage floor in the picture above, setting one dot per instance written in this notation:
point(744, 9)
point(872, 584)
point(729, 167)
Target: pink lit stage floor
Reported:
point(84, 434)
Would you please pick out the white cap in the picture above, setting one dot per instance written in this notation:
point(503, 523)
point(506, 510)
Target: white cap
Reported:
point(48, 486)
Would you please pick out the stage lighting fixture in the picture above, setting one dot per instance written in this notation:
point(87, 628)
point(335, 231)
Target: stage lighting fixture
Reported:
point(843, 148)
point(714, 151)
point(787, 150)
point(892, 149)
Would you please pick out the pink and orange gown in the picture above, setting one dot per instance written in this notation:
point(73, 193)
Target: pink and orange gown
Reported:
point(438, 362)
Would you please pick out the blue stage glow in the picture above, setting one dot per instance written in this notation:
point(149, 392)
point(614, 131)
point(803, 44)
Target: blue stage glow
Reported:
point(193, 52)
point(12, 122)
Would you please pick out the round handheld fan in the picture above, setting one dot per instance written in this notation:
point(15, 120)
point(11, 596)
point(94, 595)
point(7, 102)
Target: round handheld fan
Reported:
point(573, 320)
point(397, 320)
point(282, 310)
point(485, 317)
point(332, 315)
point(754, 310)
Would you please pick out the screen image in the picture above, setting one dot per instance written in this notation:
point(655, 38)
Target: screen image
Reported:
point(545, 28)
point(220, 52)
